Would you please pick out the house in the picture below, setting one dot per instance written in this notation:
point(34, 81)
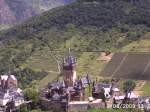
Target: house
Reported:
point(86, 80)
point(143, 100)
point(8, 81)
point(115, 92)
point(144, 103)
point(9, 92)
point(131, 96)
point(97, 88)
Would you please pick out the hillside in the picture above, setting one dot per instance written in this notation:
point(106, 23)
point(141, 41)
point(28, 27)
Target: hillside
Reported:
point(88, 28)
point(44, 5)
point(14, 11)
point(17, 11)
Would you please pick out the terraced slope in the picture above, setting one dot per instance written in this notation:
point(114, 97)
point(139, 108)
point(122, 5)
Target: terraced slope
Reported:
point(86, 27)
point(129, 66)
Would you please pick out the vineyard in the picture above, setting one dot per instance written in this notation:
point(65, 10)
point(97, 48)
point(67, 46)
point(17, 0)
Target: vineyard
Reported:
point(129, 66)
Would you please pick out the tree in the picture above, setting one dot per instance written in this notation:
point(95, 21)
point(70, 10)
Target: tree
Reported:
point(23, 108)
point(102, 96)
point(128, 87)
point(32, 94)
point(37, 110)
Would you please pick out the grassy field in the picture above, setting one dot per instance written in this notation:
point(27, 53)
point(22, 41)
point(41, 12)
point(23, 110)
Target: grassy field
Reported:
point(137, 46)
point(44, 60)
point(87, 61)
point(106, 110)
point(4, 27)
point(146, 89)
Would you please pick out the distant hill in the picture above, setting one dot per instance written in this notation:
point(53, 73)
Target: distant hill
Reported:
point(16, 11)
point(44, 5)
point(86, 27)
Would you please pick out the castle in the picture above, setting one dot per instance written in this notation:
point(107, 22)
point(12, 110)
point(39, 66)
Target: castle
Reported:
point(69, 93)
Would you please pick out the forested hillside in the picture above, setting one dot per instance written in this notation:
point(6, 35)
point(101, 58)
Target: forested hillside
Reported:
point(85, 26)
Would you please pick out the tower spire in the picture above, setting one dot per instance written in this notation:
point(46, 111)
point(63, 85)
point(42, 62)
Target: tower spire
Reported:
point(69, 66)
point(69, 51)
point(9, 72)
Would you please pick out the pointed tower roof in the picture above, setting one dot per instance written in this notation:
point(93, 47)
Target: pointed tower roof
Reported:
point(69, 59)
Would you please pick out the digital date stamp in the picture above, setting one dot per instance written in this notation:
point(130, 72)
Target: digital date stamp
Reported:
point(130, 106)
point(123, 106)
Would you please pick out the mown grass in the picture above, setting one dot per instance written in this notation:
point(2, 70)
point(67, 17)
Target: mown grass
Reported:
point(146, 89)
point(4, 27)
point(106, 110)
point(42, 60)
point(137, 46)
point(88, 63)
point(50, 77)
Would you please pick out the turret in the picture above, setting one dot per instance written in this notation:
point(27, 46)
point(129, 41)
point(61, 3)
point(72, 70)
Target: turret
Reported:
point(69, 69)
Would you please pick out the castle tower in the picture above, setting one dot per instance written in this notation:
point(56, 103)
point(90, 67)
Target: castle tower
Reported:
point(69, 70)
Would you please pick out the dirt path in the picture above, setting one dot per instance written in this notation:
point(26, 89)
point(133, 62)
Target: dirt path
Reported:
point(138, 89)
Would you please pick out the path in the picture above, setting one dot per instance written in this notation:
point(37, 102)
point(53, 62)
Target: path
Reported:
point(109, 103)
point(138, 89)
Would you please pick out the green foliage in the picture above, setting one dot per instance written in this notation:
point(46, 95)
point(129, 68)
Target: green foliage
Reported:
point(27, 75)
point(106, 110)
point(33, 96)
point(102, 95)
point(85, 27)
point(146, 89)
point(128, 86)
point(37, 110)
point(84, 15)
point(23, 108)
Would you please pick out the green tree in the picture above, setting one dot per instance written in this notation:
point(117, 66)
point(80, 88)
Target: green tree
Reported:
point(23, 108)
point(37, 110)
point(128, 87)
point(33, 96)
point(102, 96)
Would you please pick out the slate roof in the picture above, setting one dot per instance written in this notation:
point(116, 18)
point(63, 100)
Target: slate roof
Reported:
point(86, 80)
point(103, 85)
point(57, 85)
point(143, 99)
point(100, 86)
point(69, 59)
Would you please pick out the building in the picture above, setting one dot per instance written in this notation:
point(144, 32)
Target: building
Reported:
point(109, 89)
point(69, 93)
point(69, 66)
point(9, 91)
point(97, 88)
point(120, 99)
point(8, 81)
